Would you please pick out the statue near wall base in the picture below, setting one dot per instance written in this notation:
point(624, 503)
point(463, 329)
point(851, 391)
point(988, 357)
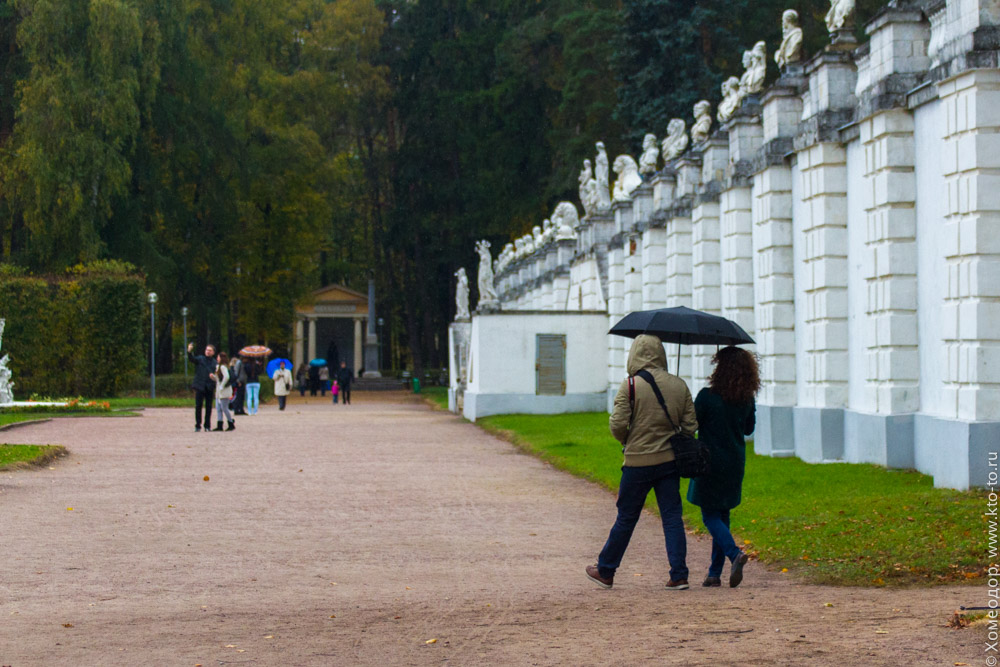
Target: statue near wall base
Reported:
point(461, 295)
point(6, 383)
point(565, 219)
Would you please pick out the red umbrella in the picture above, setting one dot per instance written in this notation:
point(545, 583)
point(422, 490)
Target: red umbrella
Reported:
point(255, 351)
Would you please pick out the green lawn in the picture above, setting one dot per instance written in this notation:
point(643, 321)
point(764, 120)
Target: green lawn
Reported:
point(16, 456)
point(837, 523)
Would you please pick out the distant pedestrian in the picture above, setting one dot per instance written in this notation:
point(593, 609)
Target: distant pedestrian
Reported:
point(344, 380)
point(252, 369)
point(335, 390)
point(203, 385)
point(239, 377)
point(313, 380)
point(639, 423)
point(726, 414)
point(302, 379)
point(282, 384)
point(223, 392)
point(324, 379)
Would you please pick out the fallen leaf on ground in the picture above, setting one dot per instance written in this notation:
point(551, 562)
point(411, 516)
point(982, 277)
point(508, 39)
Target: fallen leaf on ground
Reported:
point(205, 478)
point(881, 632)
point(230, 645)
point(69, 509)
point(268, 636)
point(67, 625)
point(784, 569)
point(827, 604)
point(961, 664)
point(431, 641)
point(333, 616)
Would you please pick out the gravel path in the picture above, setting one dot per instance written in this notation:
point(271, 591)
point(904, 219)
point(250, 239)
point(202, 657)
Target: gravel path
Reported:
point(354, 535)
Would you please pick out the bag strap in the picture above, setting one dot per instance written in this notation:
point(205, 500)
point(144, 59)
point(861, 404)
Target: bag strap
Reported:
point(647, 376)
point(631, 405)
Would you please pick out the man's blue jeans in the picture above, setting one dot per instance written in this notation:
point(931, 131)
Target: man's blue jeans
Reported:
point(635, 486)
point(723, 544)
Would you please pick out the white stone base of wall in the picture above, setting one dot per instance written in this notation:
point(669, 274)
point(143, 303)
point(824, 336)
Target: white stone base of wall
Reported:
point(775, 432)
point(956, 453)
point(483, 405)
point(819, 434)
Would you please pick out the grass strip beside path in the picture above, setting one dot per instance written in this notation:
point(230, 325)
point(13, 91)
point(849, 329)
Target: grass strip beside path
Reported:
point(23, 456)
point(437, 396)
point(836, 523)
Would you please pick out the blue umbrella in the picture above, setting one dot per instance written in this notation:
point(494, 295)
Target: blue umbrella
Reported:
point(318, 362)
point(272, 366)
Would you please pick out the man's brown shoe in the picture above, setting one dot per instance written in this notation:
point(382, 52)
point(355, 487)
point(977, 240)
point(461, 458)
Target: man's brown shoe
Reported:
point(680, 585)
point(595, 575)
point(712, 582)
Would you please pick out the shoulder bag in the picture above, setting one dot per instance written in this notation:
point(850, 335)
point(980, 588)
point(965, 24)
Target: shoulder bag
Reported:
point(690, 454)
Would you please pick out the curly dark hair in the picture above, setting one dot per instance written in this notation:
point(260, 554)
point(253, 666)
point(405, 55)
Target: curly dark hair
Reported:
point(736, 377)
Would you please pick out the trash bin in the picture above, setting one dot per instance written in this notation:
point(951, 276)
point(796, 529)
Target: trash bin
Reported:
point(416, 385)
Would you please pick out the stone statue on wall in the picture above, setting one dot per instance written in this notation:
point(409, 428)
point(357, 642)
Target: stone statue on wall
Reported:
point(548, 231)
point(602, 175)
point(752, 82)
point(487, 291)
point(507, 256)
point(702, 121)
point(536, 234)
point(529, 245)
point(791, 40)
point(840, 12)
point(565, 219)
point(462, 295)
point(628, 179)
point(518, 249)
point(650, 155)
point(730, 99)
point(676, 141)
point(588, 188)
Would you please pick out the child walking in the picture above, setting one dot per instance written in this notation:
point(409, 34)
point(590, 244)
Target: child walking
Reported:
point(335, 390)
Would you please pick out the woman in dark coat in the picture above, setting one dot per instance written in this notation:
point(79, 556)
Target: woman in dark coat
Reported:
point(726, 413)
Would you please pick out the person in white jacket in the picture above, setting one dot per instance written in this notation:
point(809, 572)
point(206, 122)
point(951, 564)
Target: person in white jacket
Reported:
point(223, 392)
point(282, 384)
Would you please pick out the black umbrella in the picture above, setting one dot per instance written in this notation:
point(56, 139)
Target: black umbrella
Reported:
point(683, 326)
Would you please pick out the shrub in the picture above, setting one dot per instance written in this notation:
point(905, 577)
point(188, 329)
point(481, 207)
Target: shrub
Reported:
point(78, 334)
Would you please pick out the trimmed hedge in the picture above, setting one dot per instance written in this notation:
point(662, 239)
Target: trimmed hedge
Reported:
point(77, 335)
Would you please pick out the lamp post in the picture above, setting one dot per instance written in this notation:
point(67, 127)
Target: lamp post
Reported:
point(184, 315)
point(152, 298)
point(380, 322)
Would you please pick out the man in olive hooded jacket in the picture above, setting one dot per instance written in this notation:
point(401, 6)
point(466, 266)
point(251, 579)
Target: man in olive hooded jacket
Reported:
point(639, 424)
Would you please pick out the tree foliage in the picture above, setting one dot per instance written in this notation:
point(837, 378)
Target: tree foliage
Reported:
point(242, 153)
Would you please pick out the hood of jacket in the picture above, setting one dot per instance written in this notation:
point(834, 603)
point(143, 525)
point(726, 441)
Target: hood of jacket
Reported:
point(647, 352)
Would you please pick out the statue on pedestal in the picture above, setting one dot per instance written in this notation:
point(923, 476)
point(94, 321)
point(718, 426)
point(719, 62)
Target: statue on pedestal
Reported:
point(565, 219)
point(676, 141)
point(702, 121)
point(791, 40)
point(837, 17)
point(487, 291)
point(650, 155)
point(462, 295)
point(730, 99)
point(602, 176)
point(585, 178)
point(628, 177)
point(755, 60)
point(548, 231)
